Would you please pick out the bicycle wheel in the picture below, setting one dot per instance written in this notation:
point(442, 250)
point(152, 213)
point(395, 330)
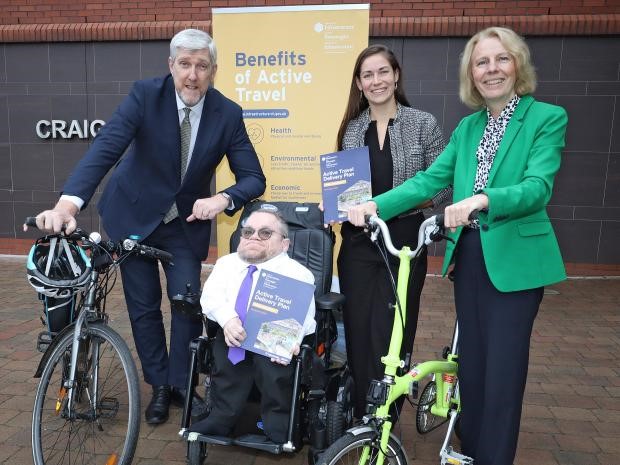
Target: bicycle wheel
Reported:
point(349, 448)
point(424, 419)
point(103, 424)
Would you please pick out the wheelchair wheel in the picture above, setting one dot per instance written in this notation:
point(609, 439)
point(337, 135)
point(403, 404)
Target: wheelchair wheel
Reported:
point(349, 449)
point(313, 456)
point(335, 426)
point(196, 452)
point(339, 416)
point(424, 419)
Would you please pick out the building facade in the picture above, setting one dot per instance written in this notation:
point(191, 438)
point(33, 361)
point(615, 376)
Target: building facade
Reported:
point(65, 66)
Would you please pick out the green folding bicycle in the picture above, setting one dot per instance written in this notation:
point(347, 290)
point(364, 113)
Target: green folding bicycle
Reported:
point(373, 441)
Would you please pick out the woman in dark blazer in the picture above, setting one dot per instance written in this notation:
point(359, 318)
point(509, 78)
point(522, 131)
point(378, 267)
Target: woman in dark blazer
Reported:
point(501, 160)
point(401, 142)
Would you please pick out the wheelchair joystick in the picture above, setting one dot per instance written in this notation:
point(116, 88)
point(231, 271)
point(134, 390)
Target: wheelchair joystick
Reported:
point(188, 303)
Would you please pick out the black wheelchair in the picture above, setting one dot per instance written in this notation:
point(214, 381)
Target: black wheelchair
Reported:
point(322, 400)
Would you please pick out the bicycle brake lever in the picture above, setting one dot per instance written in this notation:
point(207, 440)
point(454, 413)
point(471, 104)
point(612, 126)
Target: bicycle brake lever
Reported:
point(437, 236)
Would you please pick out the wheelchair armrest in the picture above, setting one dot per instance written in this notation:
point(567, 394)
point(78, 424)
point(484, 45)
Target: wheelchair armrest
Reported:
point(201, 346)
point(329, 301)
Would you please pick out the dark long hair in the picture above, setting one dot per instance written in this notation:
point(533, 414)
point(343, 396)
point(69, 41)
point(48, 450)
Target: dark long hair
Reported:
point(357, 102)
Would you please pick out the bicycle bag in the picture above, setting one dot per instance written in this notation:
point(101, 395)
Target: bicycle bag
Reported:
point(58, 312)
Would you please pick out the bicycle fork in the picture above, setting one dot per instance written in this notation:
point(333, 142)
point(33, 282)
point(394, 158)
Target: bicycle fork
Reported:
point(68, 389)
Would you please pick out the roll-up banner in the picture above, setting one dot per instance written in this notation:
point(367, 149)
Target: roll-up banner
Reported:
point(290, 69)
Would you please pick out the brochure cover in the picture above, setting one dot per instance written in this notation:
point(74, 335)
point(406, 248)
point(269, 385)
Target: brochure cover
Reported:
point(345, 181)
point(276, 315)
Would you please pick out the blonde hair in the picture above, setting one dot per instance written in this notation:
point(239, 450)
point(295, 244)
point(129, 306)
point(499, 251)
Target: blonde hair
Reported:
point(525, 82)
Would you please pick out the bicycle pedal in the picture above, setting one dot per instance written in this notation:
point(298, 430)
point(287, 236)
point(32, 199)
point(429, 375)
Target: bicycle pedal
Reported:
point(108, 407)
point(44, 340)
point(451, 457)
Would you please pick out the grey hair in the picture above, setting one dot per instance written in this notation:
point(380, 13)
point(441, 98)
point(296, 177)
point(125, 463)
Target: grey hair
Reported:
point(193, 40)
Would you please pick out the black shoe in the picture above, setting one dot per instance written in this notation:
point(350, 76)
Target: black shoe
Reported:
point(157, 411)
point(199, 408)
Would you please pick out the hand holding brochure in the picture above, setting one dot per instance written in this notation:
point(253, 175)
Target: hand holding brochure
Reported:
point(345, 181)
point(274, 323)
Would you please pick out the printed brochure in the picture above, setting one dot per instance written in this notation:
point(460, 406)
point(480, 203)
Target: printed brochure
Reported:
point(345, 182)
point(275, 320)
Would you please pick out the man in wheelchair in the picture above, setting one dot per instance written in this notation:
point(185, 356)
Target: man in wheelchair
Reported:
point(263, 245)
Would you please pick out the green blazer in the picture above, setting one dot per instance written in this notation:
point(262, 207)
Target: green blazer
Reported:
point(519, 245)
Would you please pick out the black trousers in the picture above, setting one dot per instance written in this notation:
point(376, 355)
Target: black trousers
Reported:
point(369, 314)
point(143, 293)
point(494, 341)
point(231, 386)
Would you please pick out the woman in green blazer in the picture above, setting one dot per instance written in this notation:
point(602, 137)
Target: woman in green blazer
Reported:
point(501, 161)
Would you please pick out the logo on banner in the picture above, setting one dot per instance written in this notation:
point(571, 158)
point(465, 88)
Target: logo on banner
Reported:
point(338, 37)
point(255, 132)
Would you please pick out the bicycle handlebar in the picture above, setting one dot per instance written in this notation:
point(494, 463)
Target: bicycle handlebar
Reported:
point(31, 221)
point(430, 230)
point(127, 245)
point(147, 251)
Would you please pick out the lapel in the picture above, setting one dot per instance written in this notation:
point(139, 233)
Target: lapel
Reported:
point(209, 122)
point(169, 127)
point(472, 141)
point(513, 128)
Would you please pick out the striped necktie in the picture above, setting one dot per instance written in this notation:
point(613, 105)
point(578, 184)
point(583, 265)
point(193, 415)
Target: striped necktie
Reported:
point(186, 137)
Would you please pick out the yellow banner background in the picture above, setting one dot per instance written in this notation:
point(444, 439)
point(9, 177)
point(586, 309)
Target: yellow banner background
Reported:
point(295, 61)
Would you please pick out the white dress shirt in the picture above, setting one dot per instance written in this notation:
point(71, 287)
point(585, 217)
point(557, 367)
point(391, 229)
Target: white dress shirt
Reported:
point(220, 291)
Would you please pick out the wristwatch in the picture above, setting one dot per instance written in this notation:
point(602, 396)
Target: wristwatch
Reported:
point(227, 197)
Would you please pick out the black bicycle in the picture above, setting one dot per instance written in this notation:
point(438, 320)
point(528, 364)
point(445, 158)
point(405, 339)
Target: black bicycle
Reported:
point(87, 403)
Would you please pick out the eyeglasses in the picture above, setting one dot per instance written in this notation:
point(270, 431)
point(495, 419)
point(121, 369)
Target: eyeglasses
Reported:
point(263, 234)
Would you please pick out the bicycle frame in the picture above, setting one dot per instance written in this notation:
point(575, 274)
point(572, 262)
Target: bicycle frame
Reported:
point(76, 409)
point(447, 399)
point(89, 310)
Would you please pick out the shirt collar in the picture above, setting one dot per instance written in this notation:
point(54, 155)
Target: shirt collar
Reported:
point(243, 265)
point(507, 111)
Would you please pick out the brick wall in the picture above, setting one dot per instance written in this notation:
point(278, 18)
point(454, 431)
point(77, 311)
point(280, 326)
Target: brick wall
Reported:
point(49, 11)
point(46, 20)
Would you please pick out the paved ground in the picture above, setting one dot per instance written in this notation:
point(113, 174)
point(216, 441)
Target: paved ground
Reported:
point(572, 405)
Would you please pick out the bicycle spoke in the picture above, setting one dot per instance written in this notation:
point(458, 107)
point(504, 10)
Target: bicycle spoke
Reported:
point(100, 426)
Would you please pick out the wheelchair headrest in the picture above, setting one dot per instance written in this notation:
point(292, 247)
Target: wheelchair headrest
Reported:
point(311, 244)
point(297, 216)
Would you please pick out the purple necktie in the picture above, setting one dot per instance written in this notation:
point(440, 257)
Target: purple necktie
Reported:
point(236, 354)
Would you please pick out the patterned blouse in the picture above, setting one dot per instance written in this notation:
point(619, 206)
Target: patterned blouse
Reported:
point(491, 138)
point(415, 142)
point(493, 135)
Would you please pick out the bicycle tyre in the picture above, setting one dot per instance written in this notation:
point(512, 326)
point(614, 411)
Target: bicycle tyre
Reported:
point(94, 436)
point(348, 449)
point(424, 419)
